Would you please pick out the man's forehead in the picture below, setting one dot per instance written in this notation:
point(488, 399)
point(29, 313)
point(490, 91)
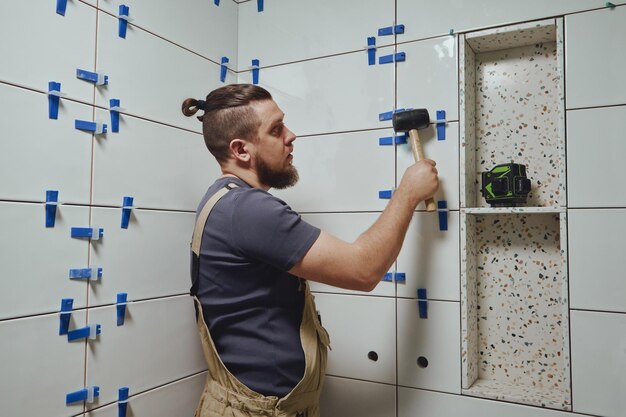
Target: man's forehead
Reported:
point(268, 111)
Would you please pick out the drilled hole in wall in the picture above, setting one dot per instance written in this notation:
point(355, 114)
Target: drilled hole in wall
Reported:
point(422, 362)
point(372, 356)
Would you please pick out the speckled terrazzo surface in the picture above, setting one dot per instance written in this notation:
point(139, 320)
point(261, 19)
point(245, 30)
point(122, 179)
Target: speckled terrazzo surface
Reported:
point(518, 117)
point(512, 36)
point(467, 100)
point(521, 311)
point(469, 300)
point(514, 308)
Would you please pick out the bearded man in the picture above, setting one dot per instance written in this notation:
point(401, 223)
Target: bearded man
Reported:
point(252, 256)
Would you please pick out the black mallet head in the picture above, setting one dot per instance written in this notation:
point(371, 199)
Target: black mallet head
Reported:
point(410, 119)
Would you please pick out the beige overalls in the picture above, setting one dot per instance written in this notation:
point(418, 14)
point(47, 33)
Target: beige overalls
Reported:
point(224, 394)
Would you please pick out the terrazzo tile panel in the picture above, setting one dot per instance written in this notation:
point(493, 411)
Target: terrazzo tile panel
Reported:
point(517, 104)
point(521, 302)
point(514, 36)
point(469, 300)
point(512, 94)
point(467, 117)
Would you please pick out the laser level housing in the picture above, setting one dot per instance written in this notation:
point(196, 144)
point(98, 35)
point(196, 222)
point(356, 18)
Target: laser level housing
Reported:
point(505, 185)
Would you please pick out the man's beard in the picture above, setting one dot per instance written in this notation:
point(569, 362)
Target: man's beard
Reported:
point(278, 179)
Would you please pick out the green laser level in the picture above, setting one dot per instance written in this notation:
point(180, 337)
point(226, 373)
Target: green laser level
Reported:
point(506, 185)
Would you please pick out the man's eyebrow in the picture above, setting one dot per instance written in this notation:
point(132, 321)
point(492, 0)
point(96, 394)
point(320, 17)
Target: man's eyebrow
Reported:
point(277, 121)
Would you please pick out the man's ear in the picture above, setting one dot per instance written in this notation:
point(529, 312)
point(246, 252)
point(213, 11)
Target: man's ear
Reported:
point(240, 149)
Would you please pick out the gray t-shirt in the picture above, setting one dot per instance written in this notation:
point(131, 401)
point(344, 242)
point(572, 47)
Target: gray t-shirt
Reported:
point(252, 306)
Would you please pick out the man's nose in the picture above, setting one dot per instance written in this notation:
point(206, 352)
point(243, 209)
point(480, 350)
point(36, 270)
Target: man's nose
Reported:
point(290, 137)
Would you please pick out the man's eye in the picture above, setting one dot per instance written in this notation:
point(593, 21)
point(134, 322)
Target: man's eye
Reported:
point(277, 130)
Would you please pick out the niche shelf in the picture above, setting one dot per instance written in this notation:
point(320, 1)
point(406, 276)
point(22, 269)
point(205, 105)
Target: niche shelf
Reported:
point(514, 292)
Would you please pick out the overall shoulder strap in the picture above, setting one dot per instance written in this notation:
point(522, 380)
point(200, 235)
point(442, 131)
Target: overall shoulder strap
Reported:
point(196, 241)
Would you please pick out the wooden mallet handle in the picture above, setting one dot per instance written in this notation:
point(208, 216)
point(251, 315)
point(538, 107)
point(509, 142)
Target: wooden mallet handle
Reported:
point(418, 155)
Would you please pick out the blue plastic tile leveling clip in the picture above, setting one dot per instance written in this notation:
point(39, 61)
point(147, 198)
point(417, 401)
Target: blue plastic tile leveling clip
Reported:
point(371, 50)
point(387, 59)
point(54, 96)
point(442, 211)
point(65, 315)
point(223, 69)
point(127, 206)
point(52, 200)
point(422, 303)
point(86, 394)
point(95, 127)
point(93, 233)
point(120, 306)
point(61, 6)
point(90, 331)
point(255, 71)
point(122, 402)
point(94, 77)
point(114, 108)
point(441, 125)
point(92, 274)
point(385, 194)
point(390, 30)
point(123, 21)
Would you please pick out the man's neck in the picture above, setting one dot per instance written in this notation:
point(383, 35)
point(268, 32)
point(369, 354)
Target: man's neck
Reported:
point(248, 177)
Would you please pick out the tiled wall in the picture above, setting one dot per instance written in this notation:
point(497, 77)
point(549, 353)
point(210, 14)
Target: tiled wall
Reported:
point(172, 50)
point(313, 60)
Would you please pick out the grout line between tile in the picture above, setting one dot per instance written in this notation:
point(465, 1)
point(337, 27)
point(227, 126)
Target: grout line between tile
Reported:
point(136, 394)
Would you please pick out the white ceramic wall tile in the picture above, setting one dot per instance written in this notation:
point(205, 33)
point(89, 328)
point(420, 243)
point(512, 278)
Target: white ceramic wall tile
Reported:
point(429, 350)
point(595, 52)
point(599, 363)
point(40, 46)
point(149, 259)
point(419, 403)
point(39, 153)
point(341, 172)
point(177, 399)
point(595, 151)
point(198, 25)
point(445, 153)
point(347, 397)
point(292, 30)
point(36, 260)
point(157, 344)
point(429, 76)
point(430, 257)
point(348, 227)
point(150, 76)
point(596, 250)
point(432, 18)
point(174, 176)
point(362, 336)
point(334, 94)
point(39, 367)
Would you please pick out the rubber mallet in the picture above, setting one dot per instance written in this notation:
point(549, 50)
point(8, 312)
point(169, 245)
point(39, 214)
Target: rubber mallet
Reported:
point(411, 121)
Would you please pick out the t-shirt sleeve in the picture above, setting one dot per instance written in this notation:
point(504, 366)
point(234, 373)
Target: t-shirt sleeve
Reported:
point(265, 228)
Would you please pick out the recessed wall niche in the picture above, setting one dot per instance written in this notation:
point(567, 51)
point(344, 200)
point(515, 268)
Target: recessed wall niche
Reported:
point(514, 293)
